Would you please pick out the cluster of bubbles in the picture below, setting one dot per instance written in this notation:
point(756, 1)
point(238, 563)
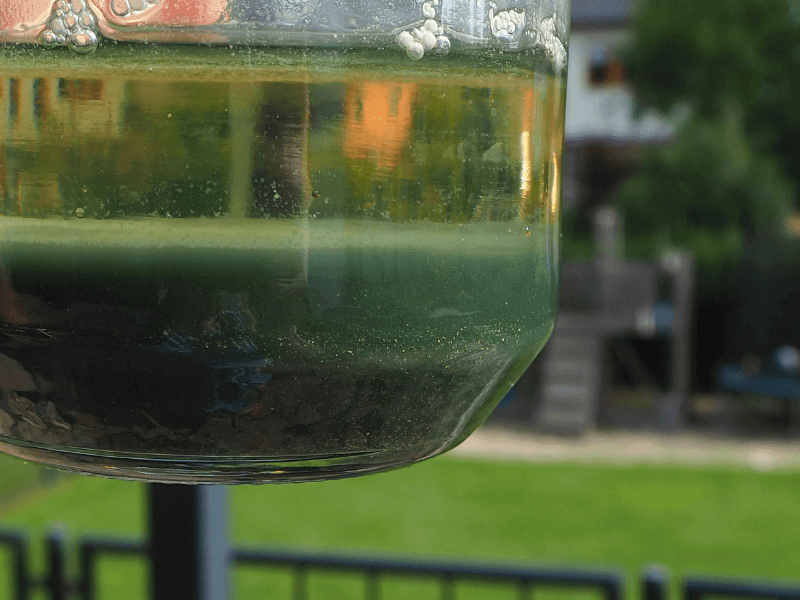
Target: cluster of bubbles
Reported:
point(428, 37)
point(546, 37)
point(71, 23)
point(506, 23)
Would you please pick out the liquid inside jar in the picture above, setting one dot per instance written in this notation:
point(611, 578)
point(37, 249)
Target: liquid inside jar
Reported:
point(259, 264)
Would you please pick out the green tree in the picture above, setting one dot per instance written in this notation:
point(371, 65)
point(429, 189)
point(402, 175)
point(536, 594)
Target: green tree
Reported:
point(709, 177)
point(729, 72)
point(711, 55)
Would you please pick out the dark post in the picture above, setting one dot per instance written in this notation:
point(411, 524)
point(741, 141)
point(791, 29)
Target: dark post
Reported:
point(56, 581)
point(448, 587)
point(87, 581)
point(373, 585)
point(22, 581)
point(19, 547)
point(188, 542)
point(681, 268)
point(654, 583)
point(609, 249)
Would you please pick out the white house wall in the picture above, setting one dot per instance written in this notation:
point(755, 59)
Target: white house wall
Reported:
point(603, 112)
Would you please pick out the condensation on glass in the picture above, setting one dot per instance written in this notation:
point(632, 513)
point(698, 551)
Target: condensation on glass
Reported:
point(250, 241)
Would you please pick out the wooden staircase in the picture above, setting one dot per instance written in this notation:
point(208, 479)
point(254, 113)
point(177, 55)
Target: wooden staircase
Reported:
point(570, 377)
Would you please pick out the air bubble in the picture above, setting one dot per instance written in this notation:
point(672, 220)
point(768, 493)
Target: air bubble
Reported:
point(405, 39)
point(442, 45)
point(428, 37)
point(412, 42)
point(83, 43)
point(49, 39)
point(58, 27)
point(87, 20)
point(119, 8)
point(415, 51)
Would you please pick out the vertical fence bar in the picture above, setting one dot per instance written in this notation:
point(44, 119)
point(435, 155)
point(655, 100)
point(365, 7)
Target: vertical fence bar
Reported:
point(55, 580)
point(690, 592)
point(373, 585)
point(87, 583)
point(525, 590)
point(299, 583)
point(22, 579)
point(18, 542)
point(448, 586)
point(654, 583)
point(613, 589)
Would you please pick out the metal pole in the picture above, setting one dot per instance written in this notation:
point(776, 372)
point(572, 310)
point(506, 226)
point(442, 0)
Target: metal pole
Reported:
point(188, 542)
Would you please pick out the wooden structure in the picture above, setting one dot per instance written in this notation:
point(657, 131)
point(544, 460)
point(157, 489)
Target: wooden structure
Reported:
point(601, 300)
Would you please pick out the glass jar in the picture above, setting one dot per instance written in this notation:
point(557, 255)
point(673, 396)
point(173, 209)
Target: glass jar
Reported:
point(251, 241)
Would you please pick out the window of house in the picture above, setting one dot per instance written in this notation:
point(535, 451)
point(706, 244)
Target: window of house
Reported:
point(80, 89)
point(606, 68)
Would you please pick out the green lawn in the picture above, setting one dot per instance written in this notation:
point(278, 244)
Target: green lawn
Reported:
point(18, 479)
point(692, 520)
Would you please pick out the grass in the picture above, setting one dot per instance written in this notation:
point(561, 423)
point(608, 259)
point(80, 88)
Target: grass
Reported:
point(17, 477)
point(692, 520)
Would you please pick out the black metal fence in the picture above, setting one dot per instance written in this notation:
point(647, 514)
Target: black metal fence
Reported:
point(610, 584)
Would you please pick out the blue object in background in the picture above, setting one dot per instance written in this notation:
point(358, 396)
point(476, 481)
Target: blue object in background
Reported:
point(779, 378)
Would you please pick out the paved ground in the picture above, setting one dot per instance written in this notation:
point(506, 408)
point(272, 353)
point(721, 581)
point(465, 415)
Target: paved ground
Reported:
point(497, 442)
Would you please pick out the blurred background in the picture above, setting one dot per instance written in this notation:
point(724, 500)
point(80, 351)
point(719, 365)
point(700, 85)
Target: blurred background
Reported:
point(680, 221)
point(661, 424)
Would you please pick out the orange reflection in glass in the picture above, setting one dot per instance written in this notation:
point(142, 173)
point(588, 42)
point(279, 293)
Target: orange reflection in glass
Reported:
point(378, 119)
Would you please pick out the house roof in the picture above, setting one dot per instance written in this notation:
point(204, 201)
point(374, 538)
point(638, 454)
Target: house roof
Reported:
point(588, 13)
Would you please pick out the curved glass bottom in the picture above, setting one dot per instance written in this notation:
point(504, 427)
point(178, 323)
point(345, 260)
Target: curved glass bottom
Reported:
point(222, 470)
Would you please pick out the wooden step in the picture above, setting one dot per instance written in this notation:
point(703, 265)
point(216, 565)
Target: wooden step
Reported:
point(571, 379)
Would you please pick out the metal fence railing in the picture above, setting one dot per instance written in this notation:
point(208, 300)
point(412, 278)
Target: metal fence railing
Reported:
point(610, 584)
